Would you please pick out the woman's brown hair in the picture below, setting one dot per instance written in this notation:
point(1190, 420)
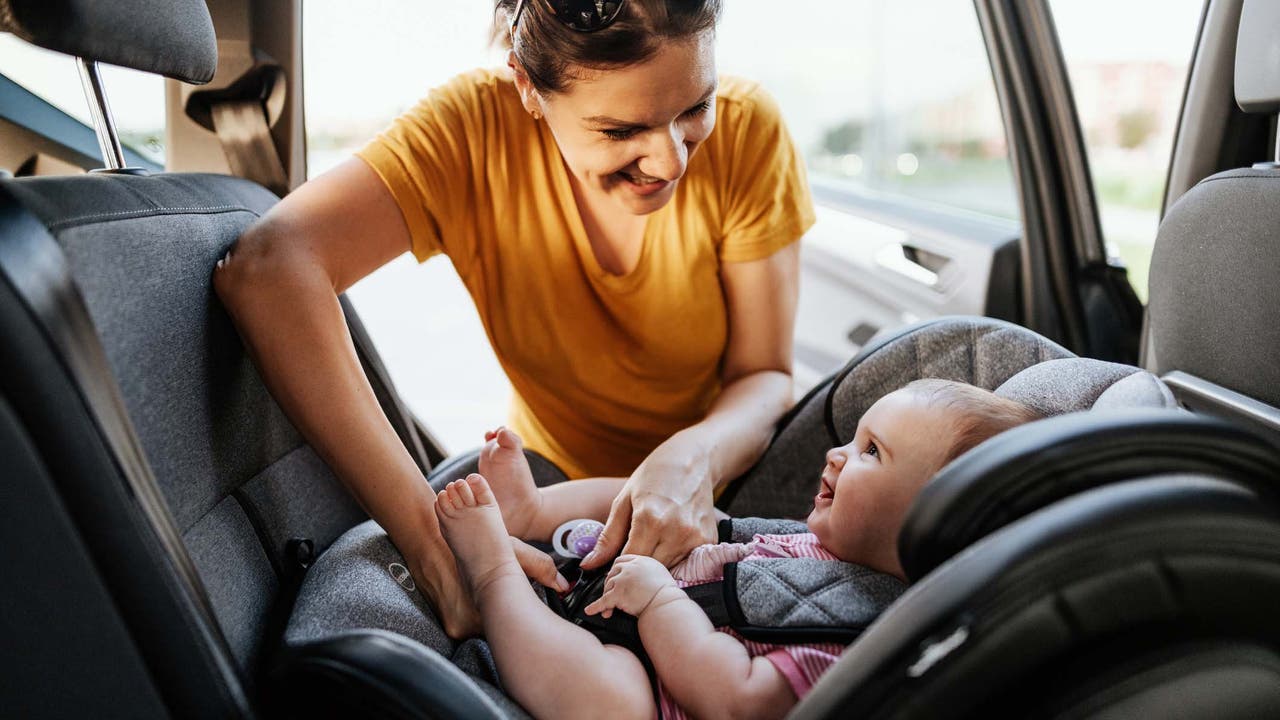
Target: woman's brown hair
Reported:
point(550, 51)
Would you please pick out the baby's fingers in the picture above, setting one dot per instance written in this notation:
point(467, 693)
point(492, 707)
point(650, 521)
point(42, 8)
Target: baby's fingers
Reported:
point(603, 605)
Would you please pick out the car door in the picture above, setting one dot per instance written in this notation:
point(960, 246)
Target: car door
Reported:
point(1092, 91)
point(895, 110)
point(949, 167)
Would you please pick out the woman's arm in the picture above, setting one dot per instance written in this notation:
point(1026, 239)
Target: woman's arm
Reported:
point(666, 508)
point(708, 672)
point(280, 284)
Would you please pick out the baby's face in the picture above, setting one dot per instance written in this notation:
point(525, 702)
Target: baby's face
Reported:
point(868, 485)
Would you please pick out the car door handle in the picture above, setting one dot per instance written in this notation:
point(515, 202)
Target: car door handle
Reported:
point(914, 263)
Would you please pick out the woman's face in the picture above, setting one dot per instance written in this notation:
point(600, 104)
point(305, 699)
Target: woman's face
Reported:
point(627, 134)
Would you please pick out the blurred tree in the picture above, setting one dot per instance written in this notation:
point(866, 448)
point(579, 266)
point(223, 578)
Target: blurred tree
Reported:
point(1134, 128)
point(844, 138)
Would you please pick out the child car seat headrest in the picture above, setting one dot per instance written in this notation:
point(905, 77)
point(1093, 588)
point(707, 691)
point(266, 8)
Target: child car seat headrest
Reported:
point(1068, 385)
point(1035, 465)
point(979, 351)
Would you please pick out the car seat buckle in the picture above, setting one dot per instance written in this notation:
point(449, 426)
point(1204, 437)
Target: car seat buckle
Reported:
point(302, 551)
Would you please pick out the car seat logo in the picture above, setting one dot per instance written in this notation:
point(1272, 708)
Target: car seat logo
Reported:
point(400, 574)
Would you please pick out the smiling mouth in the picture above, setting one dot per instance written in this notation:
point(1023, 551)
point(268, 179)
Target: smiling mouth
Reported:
point(640, 180)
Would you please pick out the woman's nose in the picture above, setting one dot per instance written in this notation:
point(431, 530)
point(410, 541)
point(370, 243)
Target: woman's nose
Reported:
point(668, 156)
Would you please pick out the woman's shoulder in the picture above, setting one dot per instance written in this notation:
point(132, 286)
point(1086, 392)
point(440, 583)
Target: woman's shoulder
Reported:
point(739, 99)
point(475, 90)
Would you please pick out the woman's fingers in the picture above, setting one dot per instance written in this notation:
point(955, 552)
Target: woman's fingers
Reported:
point(539, 566)
point(615, 532)
point(643, 539)
point(672, 548)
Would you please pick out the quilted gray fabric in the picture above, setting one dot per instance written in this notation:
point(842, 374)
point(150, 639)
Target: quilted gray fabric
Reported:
point(1141, 389)
point(805, 592)
point(979, 351)
point(743, 529)
point(1065, 385)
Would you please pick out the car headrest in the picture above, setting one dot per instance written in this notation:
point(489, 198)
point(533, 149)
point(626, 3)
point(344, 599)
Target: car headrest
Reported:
point(169, 37)
point(1032, 466)
point(1258, 57)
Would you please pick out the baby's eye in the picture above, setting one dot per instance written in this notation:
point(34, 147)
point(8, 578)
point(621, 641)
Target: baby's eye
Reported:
point(872, 450)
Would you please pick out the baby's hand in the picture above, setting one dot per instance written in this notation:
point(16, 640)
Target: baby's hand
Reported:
point(632, 585)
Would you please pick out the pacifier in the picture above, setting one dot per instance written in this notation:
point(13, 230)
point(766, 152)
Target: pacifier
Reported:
point(576, 538)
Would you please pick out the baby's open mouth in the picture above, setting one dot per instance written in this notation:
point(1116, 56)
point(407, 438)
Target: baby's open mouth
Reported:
point(826, 491)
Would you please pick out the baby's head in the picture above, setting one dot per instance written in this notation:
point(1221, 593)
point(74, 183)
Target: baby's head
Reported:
point(901, 441)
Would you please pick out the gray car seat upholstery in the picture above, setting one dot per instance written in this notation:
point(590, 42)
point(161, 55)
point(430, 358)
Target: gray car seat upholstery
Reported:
point(243, 487)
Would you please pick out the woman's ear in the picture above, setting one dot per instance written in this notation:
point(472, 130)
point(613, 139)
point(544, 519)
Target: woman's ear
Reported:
point(528, 93)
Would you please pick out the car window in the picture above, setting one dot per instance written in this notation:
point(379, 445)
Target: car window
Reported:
point(136, 98)
point(1127, 76)
point(362, 70)
point(878, 98)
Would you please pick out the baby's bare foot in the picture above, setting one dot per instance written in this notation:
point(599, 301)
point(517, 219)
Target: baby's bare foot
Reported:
point(503, 464)
point(472, 525)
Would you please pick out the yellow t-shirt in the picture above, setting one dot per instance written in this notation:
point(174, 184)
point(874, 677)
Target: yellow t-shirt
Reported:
point(605, 367)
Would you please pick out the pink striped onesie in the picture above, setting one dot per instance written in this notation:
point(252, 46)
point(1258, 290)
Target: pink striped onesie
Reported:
point(800, 664)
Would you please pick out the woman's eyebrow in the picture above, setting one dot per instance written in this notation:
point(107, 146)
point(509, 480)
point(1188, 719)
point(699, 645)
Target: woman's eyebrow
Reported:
point(607, 120)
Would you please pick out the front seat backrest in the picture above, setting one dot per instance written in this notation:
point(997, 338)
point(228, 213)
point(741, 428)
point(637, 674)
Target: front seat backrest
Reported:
point(1214, 289)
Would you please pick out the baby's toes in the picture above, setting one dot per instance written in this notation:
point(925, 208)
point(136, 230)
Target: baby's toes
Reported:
point(462, 494)
point(508, 439)
point(481, 493)
point(444, 504)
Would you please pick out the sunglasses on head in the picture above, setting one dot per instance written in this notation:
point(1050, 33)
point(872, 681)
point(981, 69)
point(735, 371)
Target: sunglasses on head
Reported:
point(581, 15)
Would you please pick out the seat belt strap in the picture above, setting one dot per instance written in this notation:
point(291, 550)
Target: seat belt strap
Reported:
point(241, 126)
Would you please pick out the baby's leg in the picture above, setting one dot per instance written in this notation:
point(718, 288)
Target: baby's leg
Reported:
point(528, 512)
point(550, 666)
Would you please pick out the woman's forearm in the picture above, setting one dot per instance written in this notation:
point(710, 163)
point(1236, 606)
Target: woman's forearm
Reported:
point(707, 672)
point(741, 422)
point(291, 321)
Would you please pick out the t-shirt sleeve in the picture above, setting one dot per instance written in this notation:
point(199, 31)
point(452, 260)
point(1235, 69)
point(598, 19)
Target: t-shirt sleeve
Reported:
point(768, 205)
point(427, 164)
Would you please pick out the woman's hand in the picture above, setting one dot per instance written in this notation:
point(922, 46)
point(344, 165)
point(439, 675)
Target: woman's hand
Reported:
point(633, 586)
point(665, 509)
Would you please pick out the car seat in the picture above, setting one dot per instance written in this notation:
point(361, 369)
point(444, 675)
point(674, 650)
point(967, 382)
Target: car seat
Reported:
point(180, 509)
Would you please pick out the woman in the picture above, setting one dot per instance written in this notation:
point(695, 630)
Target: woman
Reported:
point(635, 271)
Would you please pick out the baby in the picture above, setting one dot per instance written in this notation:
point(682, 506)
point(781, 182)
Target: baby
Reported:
point(863, 497)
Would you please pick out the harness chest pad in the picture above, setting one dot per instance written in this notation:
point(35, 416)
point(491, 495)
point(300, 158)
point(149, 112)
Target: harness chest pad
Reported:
point(792, 600)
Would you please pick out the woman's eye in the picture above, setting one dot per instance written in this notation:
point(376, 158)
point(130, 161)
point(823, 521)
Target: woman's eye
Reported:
point(619, 133)
point(699, 109)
